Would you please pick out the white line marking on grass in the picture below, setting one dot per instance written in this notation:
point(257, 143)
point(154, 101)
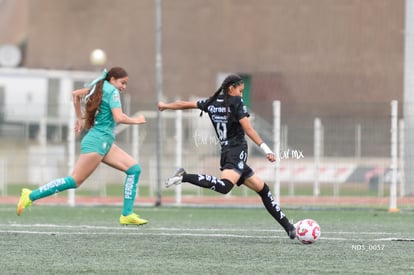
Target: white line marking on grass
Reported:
point(55, 233)
point(178, 232)
point(140, 233)
point(171, 229)
point(396, 239)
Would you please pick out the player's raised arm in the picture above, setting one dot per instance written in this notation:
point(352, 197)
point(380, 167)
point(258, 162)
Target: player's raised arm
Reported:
point(177, 105)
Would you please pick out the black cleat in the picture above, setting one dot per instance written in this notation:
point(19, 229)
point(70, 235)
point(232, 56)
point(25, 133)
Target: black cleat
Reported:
point(292, 232)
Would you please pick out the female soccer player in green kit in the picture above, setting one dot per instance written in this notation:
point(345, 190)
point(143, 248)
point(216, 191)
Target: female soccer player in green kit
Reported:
point(103, 110)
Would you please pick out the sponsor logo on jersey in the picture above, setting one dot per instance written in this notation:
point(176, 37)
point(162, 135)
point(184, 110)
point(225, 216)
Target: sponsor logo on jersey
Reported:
point(213, 109)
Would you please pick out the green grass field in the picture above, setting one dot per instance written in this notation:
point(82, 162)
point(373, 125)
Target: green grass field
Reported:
point(178, 240)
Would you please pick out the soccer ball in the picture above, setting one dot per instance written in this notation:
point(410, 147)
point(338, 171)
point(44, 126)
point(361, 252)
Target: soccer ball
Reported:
point(308, 231)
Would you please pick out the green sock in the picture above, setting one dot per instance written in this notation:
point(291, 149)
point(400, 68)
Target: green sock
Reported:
point(50, 188)
point(130, 188)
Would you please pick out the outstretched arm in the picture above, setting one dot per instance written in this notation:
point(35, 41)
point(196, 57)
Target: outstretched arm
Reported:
point(177, 105)
point(254, 136)
point(121, 118)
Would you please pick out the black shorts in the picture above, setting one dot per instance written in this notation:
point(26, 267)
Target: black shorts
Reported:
point(235, 158)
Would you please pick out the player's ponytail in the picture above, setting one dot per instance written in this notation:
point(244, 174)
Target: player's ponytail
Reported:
point(92, 105)
point(231, 80)
point(211, 99)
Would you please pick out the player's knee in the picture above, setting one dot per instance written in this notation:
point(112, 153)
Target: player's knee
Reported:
point(134, 170)
point(77, 180)
point(225, 187)
point(265, 191)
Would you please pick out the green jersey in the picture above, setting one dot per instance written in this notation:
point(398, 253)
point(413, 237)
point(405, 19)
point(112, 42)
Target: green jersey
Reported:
point(101, 136)
point(104, 120)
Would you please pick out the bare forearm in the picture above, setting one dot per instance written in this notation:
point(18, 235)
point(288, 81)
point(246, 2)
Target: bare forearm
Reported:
point(177, 105)
point(254, 136)
point(125, 119)
point(77, 106)
point(77, 97)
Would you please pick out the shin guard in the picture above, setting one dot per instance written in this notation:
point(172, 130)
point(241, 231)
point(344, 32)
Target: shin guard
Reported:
point(273, 208)
point(222, 186)
point(130, 188)
point(52, 187)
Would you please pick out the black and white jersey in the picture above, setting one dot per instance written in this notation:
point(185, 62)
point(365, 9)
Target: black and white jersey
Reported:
point(226, 122)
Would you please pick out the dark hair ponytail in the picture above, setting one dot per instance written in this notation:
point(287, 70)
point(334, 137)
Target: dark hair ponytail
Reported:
point(211, 99)
point(231, 80)
point(93, 103)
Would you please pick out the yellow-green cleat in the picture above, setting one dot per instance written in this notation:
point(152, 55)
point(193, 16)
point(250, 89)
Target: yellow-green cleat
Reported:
point(132, 219)
point(24, 201)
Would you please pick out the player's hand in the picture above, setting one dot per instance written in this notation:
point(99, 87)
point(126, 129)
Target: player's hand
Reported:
point(271, 157)
point(78, 126)
point(161, 106)
point(140, 119)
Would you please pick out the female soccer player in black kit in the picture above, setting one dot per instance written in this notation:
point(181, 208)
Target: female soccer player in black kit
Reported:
point(231, 122)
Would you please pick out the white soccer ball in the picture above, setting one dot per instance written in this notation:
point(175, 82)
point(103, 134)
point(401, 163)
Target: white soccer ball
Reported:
point(308, 231)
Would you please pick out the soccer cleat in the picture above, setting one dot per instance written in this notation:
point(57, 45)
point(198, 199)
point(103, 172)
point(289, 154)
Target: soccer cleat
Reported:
point(24, 201)
point(132, 219)
point(292, 232)
point(176, 178)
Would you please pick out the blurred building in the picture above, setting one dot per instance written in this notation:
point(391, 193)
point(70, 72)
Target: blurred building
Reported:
point(295, 51)
point(338, 60)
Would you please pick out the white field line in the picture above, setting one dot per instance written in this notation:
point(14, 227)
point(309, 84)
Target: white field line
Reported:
point(183, 232)
point(148, 228)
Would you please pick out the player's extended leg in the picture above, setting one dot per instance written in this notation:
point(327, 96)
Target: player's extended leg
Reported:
point(86, 164)
point(223, 185)
point(119, 159)
point(256, 184)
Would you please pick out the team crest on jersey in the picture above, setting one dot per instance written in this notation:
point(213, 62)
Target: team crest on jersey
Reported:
point(240, 165)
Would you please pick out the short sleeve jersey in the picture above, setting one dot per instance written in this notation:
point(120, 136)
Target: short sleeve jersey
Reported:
point(104, 120)
point(226, 122)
